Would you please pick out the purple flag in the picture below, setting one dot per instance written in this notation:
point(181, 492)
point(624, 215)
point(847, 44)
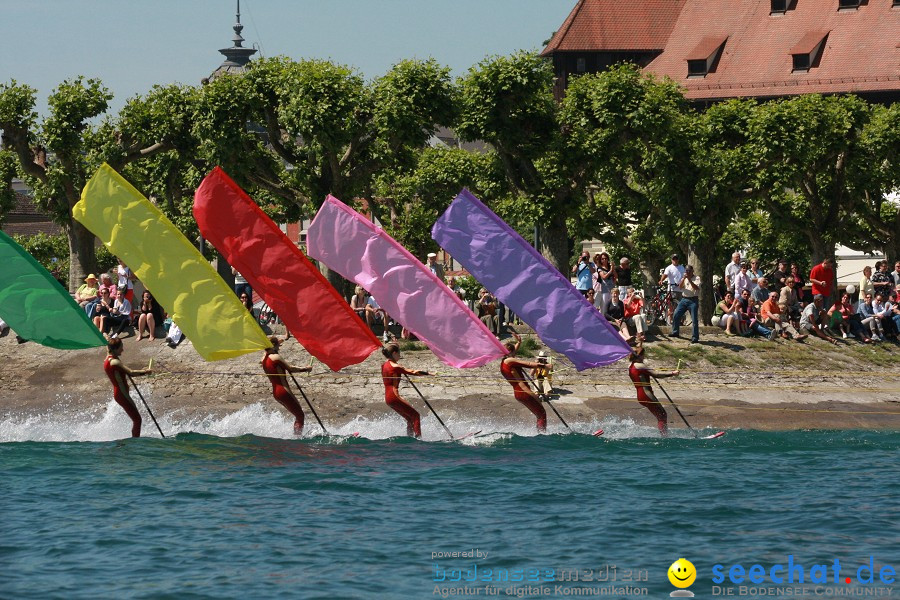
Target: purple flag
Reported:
point(353, 246)
point(524, 281)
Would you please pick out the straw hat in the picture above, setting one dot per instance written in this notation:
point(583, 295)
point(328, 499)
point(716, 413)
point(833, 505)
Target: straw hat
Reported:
point(89, 277)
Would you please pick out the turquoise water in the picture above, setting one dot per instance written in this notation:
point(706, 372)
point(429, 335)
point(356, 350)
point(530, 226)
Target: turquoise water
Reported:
point(249, 516)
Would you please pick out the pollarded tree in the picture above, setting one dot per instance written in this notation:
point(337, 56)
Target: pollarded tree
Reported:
point(875, 175)
point(59, 154)
point(508, 102)
point(808, 149)
point(303, 129)
point(299, 130)
point(666, 169)
point(414, 198)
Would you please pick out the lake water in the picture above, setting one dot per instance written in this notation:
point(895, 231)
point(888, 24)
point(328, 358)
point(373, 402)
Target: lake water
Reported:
point(234, 508)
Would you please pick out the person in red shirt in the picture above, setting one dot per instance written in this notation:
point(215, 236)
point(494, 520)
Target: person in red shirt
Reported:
point(390, 376)
point(511, 369)
point(640, 375)
point(117, 373)
point(822, 279)
point(277, 369)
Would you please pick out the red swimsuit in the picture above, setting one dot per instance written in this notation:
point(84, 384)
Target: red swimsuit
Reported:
point(120, 394)
point(390, 375)
point(280, 392)
point(642, 383)
point(515, 377)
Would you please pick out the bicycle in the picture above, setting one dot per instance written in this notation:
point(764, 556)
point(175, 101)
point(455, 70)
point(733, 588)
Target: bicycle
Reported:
point(661, 307)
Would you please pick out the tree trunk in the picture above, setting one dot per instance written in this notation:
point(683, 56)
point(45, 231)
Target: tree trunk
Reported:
point(702, 257)
point(555, 242)
point(82, 254)
point(821, 249)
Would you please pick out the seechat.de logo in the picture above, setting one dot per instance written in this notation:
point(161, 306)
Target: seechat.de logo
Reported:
point(792, 572)
point(682, 574)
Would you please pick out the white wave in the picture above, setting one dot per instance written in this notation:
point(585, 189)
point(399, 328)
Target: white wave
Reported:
point(106, 422)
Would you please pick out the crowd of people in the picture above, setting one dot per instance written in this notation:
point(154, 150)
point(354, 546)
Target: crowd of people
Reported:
point(780, 304)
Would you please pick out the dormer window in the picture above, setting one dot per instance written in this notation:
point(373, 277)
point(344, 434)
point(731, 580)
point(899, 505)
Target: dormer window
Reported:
point(779, 7)
point(807, 52)
point(704, 58)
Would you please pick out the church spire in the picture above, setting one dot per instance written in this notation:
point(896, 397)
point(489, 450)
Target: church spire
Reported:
point(236, 57)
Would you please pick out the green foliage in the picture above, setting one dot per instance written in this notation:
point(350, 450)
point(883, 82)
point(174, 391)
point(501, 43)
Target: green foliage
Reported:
point(52, 251)
point(7, 172)
point(470, 285)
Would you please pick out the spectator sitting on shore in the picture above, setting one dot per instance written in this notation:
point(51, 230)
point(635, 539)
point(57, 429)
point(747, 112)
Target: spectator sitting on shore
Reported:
point(634, 312)
point(839, 315)
point(772, 318)
point(120, 313)
point(789, 300)
point(615, 314)
point(882, 311)
point(761, 292)
point(105, 284)
point(867, 314)
point(811, 319)
point(728, 313)
point(87, 291)
point(102, 310)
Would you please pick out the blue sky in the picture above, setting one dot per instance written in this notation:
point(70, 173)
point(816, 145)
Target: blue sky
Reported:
point(132, 45)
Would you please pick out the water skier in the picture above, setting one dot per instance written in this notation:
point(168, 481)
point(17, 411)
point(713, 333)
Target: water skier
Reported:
point(277, 369)
point(117, 373)
point(640, 375)
point(511, 369)
point(390, 375)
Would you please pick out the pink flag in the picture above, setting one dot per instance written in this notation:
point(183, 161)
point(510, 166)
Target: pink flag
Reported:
point(353, 246)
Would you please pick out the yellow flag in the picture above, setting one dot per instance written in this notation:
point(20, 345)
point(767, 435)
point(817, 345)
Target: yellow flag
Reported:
point(181, 280)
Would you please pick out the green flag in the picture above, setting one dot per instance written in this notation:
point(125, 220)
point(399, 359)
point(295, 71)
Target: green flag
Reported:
point(37, 307)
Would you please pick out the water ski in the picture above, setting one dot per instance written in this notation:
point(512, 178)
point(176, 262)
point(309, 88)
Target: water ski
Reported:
point(597, 433)
point(713, 436)
point(468, 435)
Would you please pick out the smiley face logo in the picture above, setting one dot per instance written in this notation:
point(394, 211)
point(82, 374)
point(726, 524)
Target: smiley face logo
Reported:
point(682, 573)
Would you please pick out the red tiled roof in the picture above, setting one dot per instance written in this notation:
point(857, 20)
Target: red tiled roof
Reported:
point(599, 25)
point(707, 46)
point(808, 42)
point(860, 53)
point(25, 219)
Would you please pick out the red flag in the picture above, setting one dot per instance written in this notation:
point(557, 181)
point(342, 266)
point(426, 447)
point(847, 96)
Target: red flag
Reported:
point(278, 271)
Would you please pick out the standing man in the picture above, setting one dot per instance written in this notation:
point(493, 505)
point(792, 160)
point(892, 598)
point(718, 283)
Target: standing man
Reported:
point(896, 274)
point(742, 280)
point(435, 267)
point(881, 279)
point(731, 271)
point(277, 369)
point(584, 273)
point(690, 301)
point(821, 277)
point(623, 276)
point(672, 276)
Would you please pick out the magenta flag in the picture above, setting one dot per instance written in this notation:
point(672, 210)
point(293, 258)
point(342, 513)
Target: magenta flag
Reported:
point(291, 285)
point(524, 281)
point(353, 246)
